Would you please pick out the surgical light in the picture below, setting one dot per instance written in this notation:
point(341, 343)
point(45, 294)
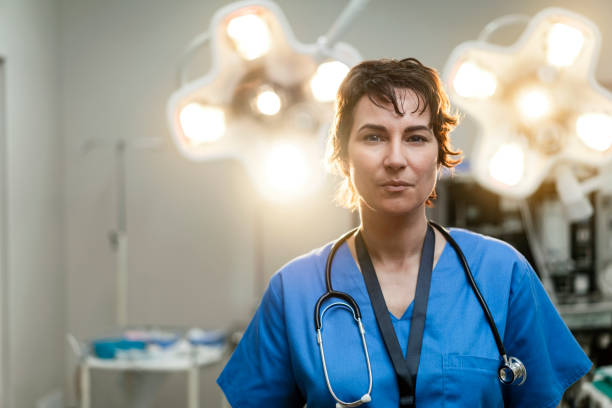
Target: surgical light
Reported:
point(250, 35)
point(268, 102)
point(595, 130)
point(472, 81)
point(533, 103)
point(202, 124)
point(545, 91)
point(508, 164)
point(264, 89)
point(564, 43)
point(327, 79)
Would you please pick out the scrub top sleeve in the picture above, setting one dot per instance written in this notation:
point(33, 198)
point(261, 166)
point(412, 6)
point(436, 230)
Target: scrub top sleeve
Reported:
point(536, 335)
point(259, 372)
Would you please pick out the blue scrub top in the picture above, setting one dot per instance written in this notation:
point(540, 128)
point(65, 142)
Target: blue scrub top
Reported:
point(278, 364)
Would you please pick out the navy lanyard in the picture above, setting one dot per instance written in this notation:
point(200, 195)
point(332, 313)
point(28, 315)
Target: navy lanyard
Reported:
point(405, 368)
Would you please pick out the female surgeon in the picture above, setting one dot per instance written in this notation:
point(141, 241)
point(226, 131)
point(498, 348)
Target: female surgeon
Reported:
point(427, 338)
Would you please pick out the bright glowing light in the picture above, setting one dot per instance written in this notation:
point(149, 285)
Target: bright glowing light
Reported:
point(286, 171)
point(327, 79)
point(533, 103)
point(563, 45)
point(595, 130)
point(471, 81)
point(508, 164)
point(250, 35)
point(202, 124)
point(268, 102)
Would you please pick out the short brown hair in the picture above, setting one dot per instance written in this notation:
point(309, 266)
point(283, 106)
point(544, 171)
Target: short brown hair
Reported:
point(379, 80)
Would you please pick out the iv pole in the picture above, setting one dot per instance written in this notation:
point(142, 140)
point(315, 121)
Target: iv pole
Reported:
point(118, 237)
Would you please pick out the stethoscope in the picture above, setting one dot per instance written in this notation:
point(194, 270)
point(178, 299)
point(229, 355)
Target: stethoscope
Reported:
point(511, 371)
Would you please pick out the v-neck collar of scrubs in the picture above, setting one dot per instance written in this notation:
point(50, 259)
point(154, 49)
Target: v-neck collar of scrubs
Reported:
point(356, 277)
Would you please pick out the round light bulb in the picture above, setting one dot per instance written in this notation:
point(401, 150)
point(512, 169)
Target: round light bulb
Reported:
point(595, 130)
point(471, 81)
point(327, 80)
point(564, 43)
point(508, 164)
point(533, 103)
point(286, 171)
point(250, 34)
point(268, 102)
point(201, 123)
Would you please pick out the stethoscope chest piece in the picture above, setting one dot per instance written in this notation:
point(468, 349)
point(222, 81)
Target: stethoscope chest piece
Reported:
point(512, 371)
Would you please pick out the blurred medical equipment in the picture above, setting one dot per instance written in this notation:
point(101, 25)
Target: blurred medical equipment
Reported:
point(573, 253)
point(511, 371)
point(267, 99)
point(597, 394)
point(138, 353)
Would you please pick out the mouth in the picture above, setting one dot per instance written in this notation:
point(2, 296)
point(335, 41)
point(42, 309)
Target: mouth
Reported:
point(395, 185)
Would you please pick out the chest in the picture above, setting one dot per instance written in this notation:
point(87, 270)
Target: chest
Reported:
point(398, 289)
point(458, 351)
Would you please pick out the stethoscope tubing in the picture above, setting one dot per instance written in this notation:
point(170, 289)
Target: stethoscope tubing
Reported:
point(366, 396)
point(330, 292)
point(472, 282)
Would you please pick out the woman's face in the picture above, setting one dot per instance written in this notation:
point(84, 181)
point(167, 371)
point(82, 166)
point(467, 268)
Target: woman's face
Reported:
point(393, 159)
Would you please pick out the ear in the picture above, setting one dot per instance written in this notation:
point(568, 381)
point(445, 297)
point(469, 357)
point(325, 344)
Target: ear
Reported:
point(345, 167)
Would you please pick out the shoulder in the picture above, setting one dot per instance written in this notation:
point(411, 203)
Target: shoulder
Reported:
point(479, 245)
point(490, 255)
point(302, 269)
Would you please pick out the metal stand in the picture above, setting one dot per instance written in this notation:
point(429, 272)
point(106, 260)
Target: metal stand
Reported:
point(118, 236)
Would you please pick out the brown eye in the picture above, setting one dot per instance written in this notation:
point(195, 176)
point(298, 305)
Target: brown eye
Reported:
point(417, 138)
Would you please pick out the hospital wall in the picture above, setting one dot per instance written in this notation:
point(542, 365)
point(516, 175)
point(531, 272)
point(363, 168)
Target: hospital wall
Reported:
point(32, 284)
point(81, 74)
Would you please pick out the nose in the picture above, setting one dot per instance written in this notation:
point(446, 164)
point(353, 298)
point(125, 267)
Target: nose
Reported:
point(395, 158)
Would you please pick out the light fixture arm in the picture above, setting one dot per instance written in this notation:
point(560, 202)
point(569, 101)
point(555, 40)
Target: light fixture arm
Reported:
point(339, 27)
point(500, 22)
point(196, 43)
point(602, 182)
point(571, 194)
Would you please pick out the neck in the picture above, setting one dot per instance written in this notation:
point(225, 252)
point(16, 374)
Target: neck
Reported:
point(393, 237)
